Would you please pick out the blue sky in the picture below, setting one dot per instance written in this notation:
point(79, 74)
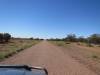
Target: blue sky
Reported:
point(49, 18)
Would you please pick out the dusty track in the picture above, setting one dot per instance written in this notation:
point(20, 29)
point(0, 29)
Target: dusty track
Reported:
point(49, 56)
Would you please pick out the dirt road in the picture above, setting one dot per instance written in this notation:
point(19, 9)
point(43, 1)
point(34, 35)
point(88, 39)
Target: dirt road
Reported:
point(52, 57)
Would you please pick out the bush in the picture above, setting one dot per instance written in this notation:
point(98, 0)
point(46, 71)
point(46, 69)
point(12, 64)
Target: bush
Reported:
point(95, 56)
point(31, 38)
point(99, 46)
point(81, 39)
point(94, 38)
point(67, 42)
point(1, 37)
point(89, 45)
point(59, 44)
point(2, 55)
point(20, 50)
point(78, 43)
point(4, 37)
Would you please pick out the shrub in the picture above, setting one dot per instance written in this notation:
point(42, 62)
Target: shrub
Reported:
point(2, 55)
point(94, 38)
point(6, 37)
point(78, 43)
point(95, 56)
point(60, 44)
point(1, 37)
point(89, 45)
point(31, 38)
point(67, 42)
point(81, 39)
point(99, 46)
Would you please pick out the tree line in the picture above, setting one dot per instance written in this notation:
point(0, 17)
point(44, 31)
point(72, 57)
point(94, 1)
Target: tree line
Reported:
point(94, 38)
point(4, 37)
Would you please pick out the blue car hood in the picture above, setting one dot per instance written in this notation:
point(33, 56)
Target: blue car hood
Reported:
point(15, 72)
point(19, 70)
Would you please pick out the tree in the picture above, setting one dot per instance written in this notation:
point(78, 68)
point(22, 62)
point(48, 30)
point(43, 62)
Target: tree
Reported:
point(1, 37)
point(94, 38)
point(82, 39)
point(6, 37)
point(71, 38)
point(31, 38)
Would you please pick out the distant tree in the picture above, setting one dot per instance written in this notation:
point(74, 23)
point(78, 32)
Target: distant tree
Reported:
point(41, 39)
point(57, 39)
point(81, 39)
point(31, 38)
point(6, 37)
point(94, 38)
point(71, 38)
point(37, 39)
point(54, 39)
point(51, 39)
point(1, 37)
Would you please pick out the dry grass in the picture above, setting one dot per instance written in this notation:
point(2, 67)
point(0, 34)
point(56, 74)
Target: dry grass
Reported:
point(60, 43)
point(15, 46)
point(89, 56)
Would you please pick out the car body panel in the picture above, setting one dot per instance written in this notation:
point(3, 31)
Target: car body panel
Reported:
point(20, 70)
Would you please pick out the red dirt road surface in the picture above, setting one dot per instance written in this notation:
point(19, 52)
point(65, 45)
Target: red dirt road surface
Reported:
point(52, 57)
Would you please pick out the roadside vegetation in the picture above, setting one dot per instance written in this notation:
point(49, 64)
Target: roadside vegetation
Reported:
point(92, 40)
point(10, 45)
point(84, 50)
